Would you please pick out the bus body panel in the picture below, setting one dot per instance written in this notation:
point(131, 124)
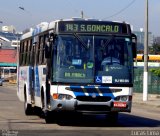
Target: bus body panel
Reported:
point(23, 82)
point(25, 74)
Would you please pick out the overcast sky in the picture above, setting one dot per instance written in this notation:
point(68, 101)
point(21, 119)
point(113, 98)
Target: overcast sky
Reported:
point(36, 11)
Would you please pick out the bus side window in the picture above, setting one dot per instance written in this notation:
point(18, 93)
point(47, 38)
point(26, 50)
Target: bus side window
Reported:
point(47, 49)
point(38, 50)
point(44, 71)
point(30, 53)
point(27, 52)
point(41, 50)
point(21, 53)
point(24, 53)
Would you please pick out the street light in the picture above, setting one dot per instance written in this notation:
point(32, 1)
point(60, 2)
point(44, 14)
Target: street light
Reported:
point(145, 74)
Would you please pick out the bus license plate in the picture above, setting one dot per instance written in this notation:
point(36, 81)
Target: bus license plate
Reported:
point(120, 104)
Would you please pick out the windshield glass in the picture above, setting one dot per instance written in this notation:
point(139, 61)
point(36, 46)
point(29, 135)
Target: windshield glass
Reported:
point(98, 59)
point(73, 61)
point(113, 60)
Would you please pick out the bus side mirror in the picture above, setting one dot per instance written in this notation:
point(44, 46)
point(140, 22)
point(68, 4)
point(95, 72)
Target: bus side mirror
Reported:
point(51, 37)
point(48, 45)
point(134, 45)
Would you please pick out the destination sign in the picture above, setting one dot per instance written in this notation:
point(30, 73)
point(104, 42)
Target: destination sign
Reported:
point(92, 27)
point(77, 75)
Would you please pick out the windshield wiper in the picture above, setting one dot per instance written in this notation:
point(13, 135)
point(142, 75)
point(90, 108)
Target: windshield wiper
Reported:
point(108, 41)
point(83, 43)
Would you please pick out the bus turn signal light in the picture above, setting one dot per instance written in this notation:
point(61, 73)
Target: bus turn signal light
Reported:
point(55, 96)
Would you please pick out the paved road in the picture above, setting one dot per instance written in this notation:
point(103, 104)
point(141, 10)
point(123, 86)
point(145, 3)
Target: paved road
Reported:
point(144, 120)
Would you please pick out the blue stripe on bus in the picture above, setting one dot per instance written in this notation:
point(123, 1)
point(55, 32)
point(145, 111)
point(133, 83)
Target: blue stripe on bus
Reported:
point(30, 80)
point(37, 82)
point(78, 91)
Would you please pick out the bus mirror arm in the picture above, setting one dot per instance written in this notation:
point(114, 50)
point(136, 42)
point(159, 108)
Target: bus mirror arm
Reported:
point(134, 45)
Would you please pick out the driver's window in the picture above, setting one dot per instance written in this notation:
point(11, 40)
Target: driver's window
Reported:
point(61, 52)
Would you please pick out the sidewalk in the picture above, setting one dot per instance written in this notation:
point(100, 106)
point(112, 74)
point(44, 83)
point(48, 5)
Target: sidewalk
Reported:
point(153, 99)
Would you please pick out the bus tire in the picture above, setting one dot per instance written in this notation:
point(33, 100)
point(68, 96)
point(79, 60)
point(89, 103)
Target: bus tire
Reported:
point(112, 117)
point(50, 117)
point(41, 113)
point(27, 107)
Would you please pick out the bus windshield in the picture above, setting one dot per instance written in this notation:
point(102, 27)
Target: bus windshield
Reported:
point(92, 59)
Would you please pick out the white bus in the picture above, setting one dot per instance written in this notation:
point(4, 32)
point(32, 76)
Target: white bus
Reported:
point(78, 66)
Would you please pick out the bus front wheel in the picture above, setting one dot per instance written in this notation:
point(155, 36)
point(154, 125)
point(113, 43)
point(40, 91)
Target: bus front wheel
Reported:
point(112, 117)
point(50, 117)
point(27, 107)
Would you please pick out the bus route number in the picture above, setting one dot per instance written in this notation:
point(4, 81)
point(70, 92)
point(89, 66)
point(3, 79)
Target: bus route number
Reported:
point(72, 27)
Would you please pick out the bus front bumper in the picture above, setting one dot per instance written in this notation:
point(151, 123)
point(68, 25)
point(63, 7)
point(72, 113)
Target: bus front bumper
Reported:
point(90, 107)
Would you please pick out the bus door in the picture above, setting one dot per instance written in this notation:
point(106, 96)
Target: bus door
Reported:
point(32, 74)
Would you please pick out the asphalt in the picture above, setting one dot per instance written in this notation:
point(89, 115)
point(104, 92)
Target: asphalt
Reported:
point(153, 99)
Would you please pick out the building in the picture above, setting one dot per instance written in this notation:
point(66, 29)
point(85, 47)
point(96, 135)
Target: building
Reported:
point(10, 29)
point(9, 41)
point(8, 63)
point(140, 39)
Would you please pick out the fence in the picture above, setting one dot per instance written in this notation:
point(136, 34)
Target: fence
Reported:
point(153, 82)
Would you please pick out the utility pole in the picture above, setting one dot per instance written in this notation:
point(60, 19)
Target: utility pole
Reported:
point(145, 74)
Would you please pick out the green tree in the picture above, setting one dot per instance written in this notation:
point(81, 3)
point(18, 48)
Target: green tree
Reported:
point(155, 71)
point(155, 48)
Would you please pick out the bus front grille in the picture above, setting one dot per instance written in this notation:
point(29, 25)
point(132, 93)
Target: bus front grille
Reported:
point(93, 108)
point(94, 99)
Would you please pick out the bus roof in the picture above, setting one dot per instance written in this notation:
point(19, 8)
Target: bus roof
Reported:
point(44, 26)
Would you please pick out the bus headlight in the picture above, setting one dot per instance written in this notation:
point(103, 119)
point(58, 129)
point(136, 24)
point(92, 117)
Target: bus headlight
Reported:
point(124, 98)
point(62, 96)
point(121, 98)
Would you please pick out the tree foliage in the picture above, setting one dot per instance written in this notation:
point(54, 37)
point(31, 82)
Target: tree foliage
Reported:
point(155, 49)
point(155, 71)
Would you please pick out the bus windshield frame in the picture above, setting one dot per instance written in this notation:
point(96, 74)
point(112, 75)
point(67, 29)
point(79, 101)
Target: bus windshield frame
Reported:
point(80, 58)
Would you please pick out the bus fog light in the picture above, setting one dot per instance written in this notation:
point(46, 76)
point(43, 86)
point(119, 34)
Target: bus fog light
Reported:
point(59, 106)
